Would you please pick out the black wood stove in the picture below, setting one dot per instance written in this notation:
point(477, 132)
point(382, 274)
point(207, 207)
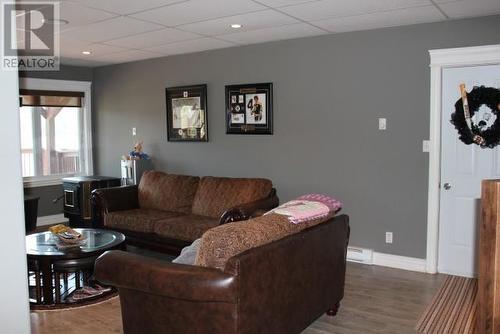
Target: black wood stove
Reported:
point(77, 197)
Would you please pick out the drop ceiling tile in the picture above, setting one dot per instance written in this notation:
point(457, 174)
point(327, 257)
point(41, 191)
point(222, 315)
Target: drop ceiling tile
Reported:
point(469, 8)
point(198, 10)
point(153, 38)
point(324, 9)
point(250, 21)
point(73, 48)
point(197, 45)
point(110, 29)
point(273, 34)
point(126, 7)
point(446, 1)
point(382, 19)
point(82, 62)
point(78, 15)
point(127, 56)
point(282, 3)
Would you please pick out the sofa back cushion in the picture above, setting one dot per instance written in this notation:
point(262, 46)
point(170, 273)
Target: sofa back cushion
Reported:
point(215, 195)
point(221, 243)
point(167, 192)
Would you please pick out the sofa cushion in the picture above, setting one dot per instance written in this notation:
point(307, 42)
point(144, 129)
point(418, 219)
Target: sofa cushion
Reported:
point(221, 243)
point(187, 227)
point(217, 194)
point(139, 220)
point(169, 192)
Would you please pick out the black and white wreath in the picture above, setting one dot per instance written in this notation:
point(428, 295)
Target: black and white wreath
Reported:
point(477, 116)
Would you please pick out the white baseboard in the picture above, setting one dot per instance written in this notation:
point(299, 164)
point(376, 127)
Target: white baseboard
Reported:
point(51, 220)
point(385, 260)
point(399, 262)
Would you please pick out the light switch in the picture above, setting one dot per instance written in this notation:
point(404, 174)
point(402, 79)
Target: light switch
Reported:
point(382, 124)
point(388, 237)
point(134, 131)
point(426, 146)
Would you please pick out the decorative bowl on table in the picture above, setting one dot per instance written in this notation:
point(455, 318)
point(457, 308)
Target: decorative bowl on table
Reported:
point(66, 236)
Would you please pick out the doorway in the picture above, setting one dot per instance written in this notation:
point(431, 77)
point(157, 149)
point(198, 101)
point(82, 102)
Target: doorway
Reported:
point(455, 169)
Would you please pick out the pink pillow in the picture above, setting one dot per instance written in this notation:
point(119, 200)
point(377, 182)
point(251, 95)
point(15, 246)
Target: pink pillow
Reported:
point(308, 207)
point(332, 203)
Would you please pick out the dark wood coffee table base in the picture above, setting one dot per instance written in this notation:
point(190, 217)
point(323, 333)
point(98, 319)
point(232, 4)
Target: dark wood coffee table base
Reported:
point(73, 266)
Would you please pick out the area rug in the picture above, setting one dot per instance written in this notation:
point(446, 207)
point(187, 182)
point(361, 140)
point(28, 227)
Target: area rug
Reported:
point(71, 306)
point(453, 308)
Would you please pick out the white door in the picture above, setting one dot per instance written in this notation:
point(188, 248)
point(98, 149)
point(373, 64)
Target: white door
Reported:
point(462, 169)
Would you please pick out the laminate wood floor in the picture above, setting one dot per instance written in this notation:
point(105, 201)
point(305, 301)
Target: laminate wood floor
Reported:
point(377, 300)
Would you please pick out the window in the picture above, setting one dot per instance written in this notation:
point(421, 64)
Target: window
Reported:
point(55, 131)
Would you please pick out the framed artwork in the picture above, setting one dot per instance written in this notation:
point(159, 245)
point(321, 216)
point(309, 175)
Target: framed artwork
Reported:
point(187, 113)
point(249, 109)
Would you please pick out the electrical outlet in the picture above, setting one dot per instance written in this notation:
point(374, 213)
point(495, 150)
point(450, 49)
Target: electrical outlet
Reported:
point(388, 237)
point(382, 123)
point(134, 131)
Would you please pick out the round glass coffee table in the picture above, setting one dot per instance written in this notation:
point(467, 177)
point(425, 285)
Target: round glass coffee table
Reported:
point(44, 256)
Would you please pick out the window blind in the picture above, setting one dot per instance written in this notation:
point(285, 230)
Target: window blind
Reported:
point(46, 98)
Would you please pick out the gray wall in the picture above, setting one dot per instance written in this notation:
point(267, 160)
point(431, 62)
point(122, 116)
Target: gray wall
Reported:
point(47, 194)
point(329, 92)
point(65, 73)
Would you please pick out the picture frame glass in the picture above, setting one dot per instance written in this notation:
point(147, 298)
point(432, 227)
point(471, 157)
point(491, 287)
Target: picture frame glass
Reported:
point(249, 109)
point(187, 113)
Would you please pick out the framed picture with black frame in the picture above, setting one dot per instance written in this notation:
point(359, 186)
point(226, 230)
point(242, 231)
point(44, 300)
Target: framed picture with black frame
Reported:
point(187, 113)
point(249, 109)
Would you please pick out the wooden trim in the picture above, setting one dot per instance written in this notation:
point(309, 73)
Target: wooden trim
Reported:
point(488, 320)
point(368, 256)
point(468, 56)
point(434, 171)
point(399, 262)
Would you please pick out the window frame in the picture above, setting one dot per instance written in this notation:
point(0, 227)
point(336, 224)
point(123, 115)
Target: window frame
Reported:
point(65, 86)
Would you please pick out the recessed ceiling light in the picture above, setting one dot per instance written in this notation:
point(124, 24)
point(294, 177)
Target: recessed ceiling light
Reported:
point(56, 21)
point(236, 26)
point(86, 53)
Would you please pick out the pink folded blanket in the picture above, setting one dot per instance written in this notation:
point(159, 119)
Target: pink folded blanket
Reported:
point(308, 207)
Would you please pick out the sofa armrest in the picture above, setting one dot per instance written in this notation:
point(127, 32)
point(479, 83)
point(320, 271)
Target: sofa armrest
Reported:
point(107, 200)
point(162, 278)
point(250, 210)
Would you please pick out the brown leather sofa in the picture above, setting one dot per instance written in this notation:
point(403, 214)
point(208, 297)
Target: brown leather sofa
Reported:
point(279, 287)
point(167, 212)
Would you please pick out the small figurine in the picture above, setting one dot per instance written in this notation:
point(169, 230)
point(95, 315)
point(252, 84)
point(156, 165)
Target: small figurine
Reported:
point(137, 153)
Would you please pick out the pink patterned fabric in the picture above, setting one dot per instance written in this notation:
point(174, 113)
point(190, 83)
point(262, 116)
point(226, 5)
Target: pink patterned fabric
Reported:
point(308, 207)
point(332, 203)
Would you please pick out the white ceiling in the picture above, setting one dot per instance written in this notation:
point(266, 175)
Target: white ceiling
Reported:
point(118, 31)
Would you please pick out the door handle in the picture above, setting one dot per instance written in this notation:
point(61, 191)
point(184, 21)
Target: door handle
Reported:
point(447, 186)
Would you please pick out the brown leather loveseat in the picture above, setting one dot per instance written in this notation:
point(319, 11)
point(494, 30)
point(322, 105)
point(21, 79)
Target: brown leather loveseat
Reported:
point(167, 212)
point(278, 288)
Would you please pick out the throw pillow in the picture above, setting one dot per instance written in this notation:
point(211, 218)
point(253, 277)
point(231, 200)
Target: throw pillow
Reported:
point(188, 254)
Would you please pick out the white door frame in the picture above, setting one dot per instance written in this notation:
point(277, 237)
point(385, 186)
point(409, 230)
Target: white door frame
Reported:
point(441, 59)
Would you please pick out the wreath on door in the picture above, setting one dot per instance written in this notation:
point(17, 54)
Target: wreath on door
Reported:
point(477, 116)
